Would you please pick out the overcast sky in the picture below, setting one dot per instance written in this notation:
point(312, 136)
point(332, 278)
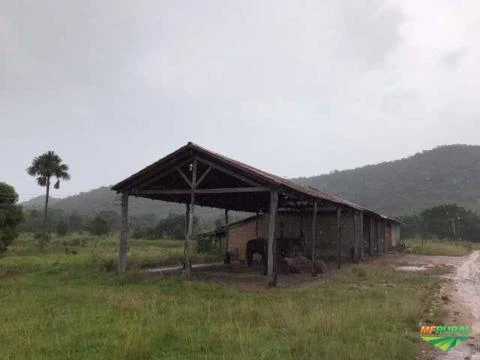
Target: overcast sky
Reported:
point(296, 88)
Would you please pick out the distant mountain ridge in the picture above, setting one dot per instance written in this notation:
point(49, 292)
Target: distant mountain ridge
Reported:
point(103, 200)
point(446, 174)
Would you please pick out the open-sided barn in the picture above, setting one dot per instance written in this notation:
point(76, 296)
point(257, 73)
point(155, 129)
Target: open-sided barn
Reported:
point(295, 228)
point(323, 224)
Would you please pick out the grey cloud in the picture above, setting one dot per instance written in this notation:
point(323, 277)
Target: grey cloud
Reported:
point(452, 59)
point(293, 87)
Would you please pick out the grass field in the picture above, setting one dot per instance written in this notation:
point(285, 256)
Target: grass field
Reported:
point(65, 306)
point(85, 251)
point(441, 247)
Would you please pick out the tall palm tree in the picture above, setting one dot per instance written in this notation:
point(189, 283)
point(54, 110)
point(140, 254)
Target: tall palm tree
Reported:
point(44, 167)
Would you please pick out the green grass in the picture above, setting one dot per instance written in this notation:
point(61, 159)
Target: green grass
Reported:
point(93, 252)
point(67, 307)
point(441, 247)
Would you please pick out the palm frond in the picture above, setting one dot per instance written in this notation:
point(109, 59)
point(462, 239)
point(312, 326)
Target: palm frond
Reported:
point(42, 181)
point(47, 165)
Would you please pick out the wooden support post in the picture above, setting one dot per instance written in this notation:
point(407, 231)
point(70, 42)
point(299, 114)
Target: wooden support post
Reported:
point(362, 240)
point(372, 235)
point(227, 259)
point(272, 241)
point(355, 237)
point(314, 244)
point(256, 226)
point(301, 235)
point(377, 234)
point(381, 237)
point(339, 238)
point(188, 238)
point(122, 253)
point(187, 219)
point(385, 244)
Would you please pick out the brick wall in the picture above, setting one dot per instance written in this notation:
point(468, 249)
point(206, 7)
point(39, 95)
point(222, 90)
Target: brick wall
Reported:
point(298, 227)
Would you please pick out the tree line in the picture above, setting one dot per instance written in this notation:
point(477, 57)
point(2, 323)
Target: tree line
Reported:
point(104, 223)
point(48, 170)
point(450, 221)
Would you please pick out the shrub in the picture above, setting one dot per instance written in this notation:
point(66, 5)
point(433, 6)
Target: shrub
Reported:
point(62, 228)
point(10, 215)
point(207, 243)
point(98, 226)
point(40, 235)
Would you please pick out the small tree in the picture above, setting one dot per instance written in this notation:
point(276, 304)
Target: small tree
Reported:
point(62, 228)
point(98, 226)
point(75, 222)
point(10, 215)
point(451, 221)
point(44, 167)
point(173, 226)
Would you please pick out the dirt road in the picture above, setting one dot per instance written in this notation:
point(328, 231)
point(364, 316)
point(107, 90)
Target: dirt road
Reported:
point(463, 292)
point(466, 295)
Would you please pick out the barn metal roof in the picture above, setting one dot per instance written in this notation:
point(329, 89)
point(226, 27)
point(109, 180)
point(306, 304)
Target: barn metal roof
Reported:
point(190, 150)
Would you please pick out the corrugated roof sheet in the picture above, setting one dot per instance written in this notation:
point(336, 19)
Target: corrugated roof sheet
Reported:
point(277, 180)
point(271, 179)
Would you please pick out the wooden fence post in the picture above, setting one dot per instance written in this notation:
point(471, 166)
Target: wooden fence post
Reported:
point(122, 253)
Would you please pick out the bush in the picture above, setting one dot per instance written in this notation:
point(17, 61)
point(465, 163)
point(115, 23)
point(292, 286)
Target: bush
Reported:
point(62, 228)
point(40, 235)
point(139, 233)
point(443, 222)
point(208, 244)
point(75, 241)
point(10, 215)
point(98, 226)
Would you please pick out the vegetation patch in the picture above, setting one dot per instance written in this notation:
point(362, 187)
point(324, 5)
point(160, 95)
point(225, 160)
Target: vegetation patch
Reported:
point(441, 247)
point(63, 306)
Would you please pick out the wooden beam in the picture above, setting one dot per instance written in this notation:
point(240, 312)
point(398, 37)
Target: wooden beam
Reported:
point(122, 253)
point(204, 175)
point(320, 209)
point(188, 238)
point(202, 191)
point(157, 176)
point(339, 239)
point(272, 241)
point(227, 259)
point(189, 183)
point(227, 171)
point(314, 244)
point(232, 190)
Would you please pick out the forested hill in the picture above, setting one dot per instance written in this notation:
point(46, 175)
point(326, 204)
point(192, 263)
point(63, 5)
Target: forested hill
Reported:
point(103, 199)
point(446, 174)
